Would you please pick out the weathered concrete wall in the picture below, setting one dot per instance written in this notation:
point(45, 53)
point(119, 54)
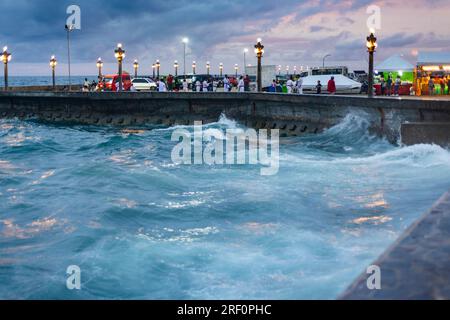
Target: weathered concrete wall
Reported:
point(292, 114)
point(417, 266)
point(426, 132)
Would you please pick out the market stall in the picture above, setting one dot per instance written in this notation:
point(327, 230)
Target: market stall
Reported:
point(394, 67)
point(432, 73)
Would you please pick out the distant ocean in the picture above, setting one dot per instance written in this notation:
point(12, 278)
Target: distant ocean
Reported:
point(18, 81)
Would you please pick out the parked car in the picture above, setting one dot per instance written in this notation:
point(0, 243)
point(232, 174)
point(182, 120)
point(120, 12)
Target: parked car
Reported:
point(111, 80)
point(144, 84)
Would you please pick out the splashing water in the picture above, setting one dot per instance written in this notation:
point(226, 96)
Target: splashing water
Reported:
point(111, 201)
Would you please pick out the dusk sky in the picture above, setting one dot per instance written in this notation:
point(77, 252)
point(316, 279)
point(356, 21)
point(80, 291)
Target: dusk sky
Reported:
point(294, 32)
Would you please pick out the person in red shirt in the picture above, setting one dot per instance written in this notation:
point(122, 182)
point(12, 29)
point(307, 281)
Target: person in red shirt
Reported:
point(331, 86)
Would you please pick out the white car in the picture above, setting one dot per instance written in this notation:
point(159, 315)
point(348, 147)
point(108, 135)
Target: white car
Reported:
point(143, 84)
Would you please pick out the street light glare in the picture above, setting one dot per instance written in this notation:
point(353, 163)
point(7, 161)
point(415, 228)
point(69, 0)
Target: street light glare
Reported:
point(5, 48)
point(119, 45)
point(246, 50)
point(185, 40)
point(259, 40)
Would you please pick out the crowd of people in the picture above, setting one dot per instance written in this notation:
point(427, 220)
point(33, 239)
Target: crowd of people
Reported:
point(296, 86)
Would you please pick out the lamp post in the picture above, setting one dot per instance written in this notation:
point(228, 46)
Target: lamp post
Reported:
point(6, 57)
point(236, 68)
point(158, 67)
point(120, 55)
point(245, 59)
point(259, 50)
point(208, 67)
point(185, 42)
point(153, 69)
point(69, 29)
point(287, 70)
point(136, 67)
point(53, 64)
point(324, 58)
point(279, 70)
point(99, 67)
point(221, 69)
point(371, 47)
point(175, 65)
point(194, 65)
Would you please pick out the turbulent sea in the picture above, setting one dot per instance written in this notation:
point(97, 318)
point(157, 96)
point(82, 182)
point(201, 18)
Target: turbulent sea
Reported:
point(140, 227)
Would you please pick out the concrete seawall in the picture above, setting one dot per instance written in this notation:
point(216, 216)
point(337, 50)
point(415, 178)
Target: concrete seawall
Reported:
point(292, 114)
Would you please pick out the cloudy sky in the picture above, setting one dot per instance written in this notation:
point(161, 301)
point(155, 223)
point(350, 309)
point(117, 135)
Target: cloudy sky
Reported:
point(294, 32)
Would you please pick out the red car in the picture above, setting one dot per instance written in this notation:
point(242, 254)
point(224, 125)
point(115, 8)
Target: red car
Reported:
point(112, 80)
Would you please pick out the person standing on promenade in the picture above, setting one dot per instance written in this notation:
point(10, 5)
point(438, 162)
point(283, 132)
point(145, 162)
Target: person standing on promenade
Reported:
point(442, 86)
point(318, 87)
point(185, 86)
point(198, 86)
point(290, 85)
point(331, 86)
point(226, 84)
point(247, 83)
point(431, 86)
point(383, 86)
point(241, 84)
point(398, 81)
point(205, 85)
point(170, 82)
point(389, 86)
point(161, 86)
point(215, 84)
point(299, 85)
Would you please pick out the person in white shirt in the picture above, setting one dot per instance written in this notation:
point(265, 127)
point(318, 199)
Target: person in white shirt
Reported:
point(290, 85)
point(215, 85)
point(205, 85)
point(300, 85)
point(185, 86)
point(241, 84)
point(226, 84)
point(198, 86)
point(162, 86)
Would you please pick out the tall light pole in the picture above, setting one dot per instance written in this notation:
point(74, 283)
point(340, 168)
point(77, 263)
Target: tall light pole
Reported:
point(245, 60)
point(120, 55)
point(175, 65)
point(221, 69)
point(236, 68)
point(136, 67)
point(324, 58)
point(194, 65)
point(153, 69)
point(6, 57)
point(279, 70)
point(208, 67)
point(100, 67)
point(53, 64)
point(259, 50)
point(371, 47)
point(69, 29)
point(185, 42)
point(158, 66)
point(287, 70)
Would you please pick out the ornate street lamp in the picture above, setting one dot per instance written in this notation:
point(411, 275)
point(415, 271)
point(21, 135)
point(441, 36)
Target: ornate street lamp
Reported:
point(120, 55)
point(221, 68)
point(99, 67)
point(208, 67)
point(136, 67)
point(287, 70)
point(53, 64)
point(371, 47)
point(236, 68)
point(153, 69)
point(6, 57)
point(194, 65)
point(279, 70)
point(158, 66)
point(259, 50)
point(175, 65)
